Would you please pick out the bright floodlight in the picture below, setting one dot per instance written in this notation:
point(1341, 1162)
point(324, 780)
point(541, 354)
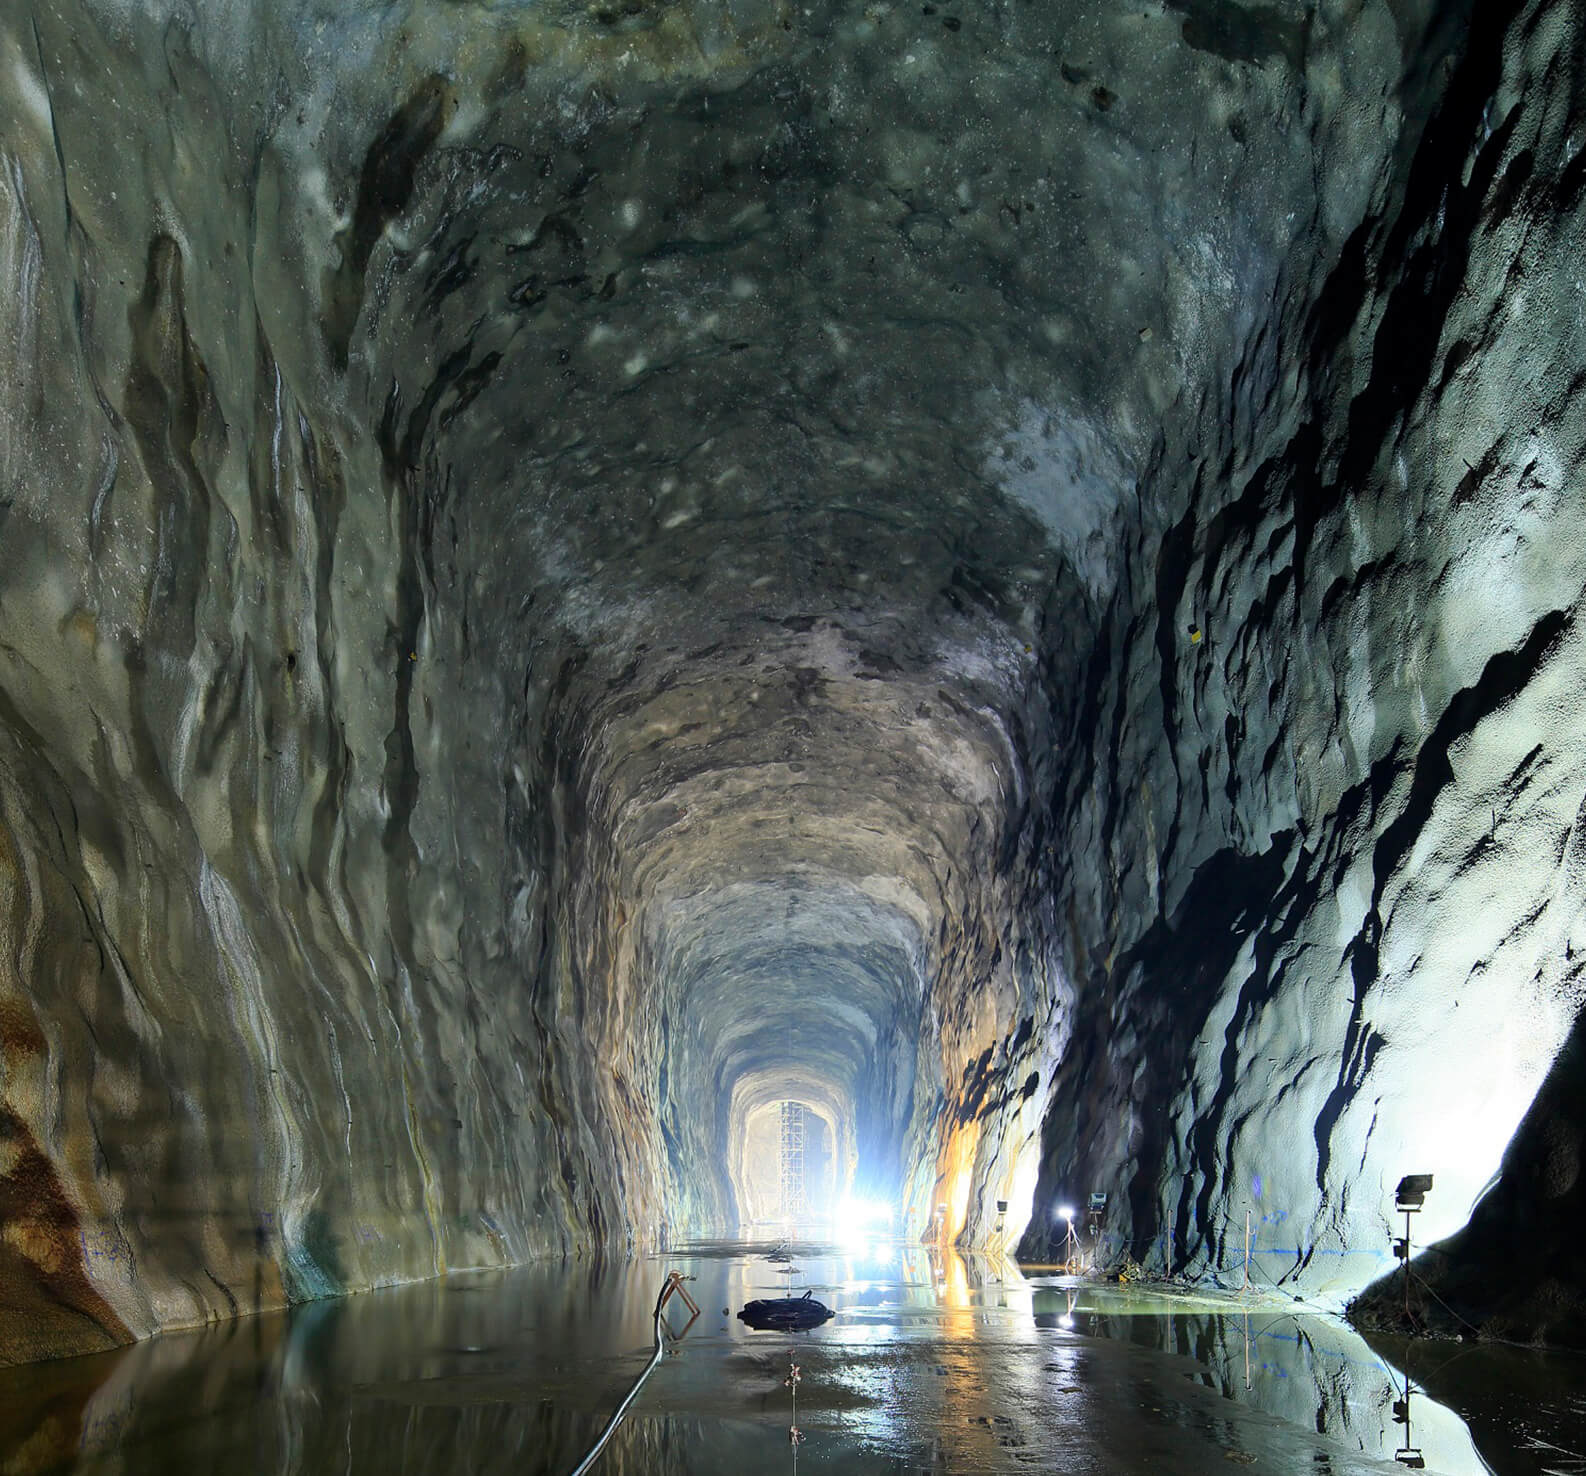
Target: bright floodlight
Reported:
point(864, 1211)
point(1065, 1212)
point(858, 1221)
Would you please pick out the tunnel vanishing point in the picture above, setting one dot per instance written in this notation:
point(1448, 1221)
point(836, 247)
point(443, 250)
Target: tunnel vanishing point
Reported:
point(1009, 571)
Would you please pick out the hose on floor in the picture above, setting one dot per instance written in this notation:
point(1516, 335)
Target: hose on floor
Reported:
point(632, 1394)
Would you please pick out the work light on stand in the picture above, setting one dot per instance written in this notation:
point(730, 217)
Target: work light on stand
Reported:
point(1409, 1198)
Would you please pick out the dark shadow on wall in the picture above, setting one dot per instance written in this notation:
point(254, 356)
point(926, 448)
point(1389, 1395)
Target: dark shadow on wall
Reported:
point(1517, 1270)
point(1158, 995)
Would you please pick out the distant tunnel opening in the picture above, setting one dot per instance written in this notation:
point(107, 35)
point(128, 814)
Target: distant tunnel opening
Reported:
point(787, 1165)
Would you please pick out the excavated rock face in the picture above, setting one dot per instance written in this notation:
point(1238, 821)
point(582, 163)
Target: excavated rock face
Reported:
point(569, 573)
point(1330, 884)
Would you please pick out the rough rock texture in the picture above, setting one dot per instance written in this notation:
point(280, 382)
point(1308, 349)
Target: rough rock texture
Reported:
point(1329, 887)
point(568, 572)
point(1515, 1271)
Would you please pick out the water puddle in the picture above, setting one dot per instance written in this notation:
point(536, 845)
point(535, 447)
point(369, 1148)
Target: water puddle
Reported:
point(931, 1364)
point(1306, 1368)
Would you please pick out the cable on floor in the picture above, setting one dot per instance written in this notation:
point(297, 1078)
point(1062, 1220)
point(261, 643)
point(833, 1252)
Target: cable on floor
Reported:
point(632, 1394)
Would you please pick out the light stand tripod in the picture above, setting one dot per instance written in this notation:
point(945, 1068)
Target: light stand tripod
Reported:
point(1408, 1198)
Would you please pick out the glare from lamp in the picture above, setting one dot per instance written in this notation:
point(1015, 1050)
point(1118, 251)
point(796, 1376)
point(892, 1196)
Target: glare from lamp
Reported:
point(1065, 1212)
point(858, 1222)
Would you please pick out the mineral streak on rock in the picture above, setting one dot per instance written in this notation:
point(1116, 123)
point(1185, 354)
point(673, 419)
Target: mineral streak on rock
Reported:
point(567, 573)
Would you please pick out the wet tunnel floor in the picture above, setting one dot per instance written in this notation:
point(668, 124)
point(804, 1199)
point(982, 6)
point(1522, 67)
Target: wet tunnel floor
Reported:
point(941, 1365)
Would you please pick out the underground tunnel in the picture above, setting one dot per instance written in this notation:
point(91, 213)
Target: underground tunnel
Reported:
point(713, 622)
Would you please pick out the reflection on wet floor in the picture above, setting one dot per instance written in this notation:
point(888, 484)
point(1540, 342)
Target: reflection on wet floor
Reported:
point(932, 1364)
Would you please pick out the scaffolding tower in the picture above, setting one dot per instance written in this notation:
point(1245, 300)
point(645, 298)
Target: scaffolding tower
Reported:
point(792, 1160)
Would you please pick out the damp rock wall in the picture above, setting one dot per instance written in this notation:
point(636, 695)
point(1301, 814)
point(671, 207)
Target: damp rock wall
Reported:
point(427, 797)
point(271, 1030)
point(1326, 854)
point(565, 574)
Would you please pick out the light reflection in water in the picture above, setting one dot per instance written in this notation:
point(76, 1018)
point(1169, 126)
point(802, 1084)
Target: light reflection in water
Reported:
point(1307, 1369)
point(935, 1361)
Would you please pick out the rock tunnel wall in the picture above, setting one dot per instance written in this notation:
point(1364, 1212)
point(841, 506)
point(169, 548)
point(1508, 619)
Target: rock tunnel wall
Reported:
point(1327, 850)
point(554, 565)
point(253, 1051)
point(338, 805)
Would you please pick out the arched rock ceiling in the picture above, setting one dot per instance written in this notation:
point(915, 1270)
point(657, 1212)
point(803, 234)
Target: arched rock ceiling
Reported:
point(569, 566)
point(769, 389)
point(770, 972)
